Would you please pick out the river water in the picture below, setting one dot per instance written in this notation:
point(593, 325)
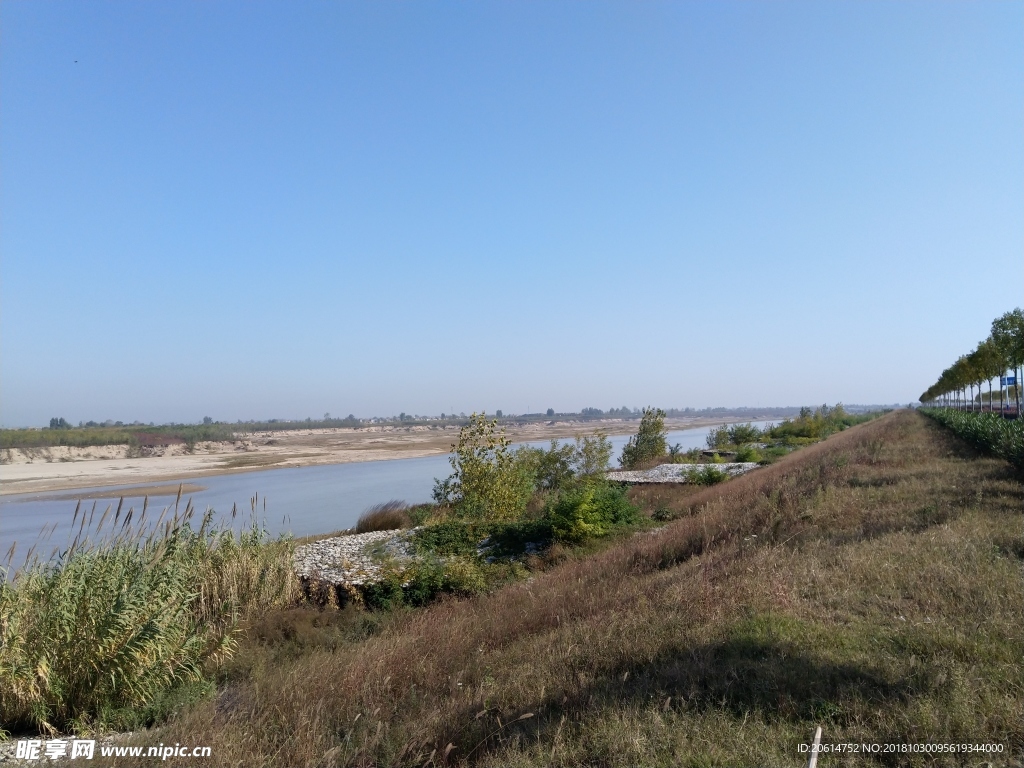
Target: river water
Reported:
point(300, 500)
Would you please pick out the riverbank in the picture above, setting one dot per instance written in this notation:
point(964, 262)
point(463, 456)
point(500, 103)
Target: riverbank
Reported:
point(865, 584)
point(69, 468)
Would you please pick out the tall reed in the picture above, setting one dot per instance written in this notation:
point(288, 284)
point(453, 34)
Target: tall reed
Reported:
point(118, 618)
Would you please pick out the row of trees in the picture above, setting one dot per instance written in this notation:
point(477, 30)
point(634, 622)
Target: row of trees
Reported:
point(1001, 352)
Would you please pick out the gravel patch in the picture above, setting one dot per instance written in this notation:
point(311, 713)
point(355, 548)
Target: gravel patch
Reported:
point(677, 473)
point(356, 559)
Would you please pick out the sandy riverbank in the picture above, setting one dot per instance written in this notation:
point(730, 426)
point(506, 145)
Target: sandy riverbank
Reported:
point(61, 469)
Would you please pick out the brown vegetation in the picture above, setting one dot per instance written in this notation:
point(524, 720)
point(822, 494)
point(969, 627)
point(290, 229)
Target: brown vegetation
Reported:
point(389, 516)
point(870, 584)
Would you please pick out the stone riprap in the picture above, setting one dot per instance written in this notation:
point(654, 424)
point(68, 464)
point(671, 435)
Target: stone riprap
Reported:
point(353, 560)
point(677, 473)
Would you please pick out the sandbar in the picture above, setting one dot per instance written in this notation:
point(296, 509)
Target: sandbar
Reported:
point(65, 469)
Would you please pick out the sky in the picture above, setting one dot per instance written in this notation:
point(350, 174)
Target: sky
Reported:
point(255, 210)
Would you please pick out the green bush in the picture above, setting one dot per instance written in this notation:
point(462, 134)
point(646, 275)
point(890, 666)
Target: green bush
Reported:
point(717, 438)
point(419, 514)
point(708, 474)
point(590, 512)
point(566, 463)
point(770, 454)
point(550, 469)
point(815, 425)
point(421, 582)
point(739, 434)
point(747, 453)
point(449, 538)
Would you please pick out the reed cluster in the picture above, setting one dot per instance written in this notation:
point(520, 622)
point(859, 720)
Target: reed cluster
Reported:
point(129, 615)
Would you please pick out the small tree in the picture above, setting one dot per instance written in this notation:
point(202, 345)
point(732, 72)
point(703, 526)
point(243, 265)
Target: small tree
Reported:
point(487, 481)
point(593, 452)
point(649, 442)
point(718, 437)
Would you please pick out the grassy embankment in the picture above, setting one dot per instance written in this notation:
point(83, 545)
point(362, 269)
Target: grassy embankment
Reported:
point(869, 584)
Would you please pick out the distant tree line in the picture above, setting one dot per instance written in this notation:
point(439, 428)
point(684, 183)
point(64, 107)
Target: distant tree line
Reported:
point(1001, 352)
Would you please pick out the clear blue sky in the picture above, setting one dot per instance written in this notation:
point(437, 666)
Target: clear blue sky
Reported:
point(255, 210)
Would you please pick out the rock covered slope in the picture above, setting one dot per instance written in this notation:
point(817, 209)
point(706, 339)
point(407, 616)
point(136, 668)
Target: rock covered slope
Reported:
point(355, 560)
point(677, 473)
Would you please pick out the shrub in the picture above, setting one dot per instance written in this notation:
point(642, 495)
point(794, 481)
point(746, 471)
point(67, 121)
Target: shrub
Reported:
point(815, 425)
point(591, 455)
point(770, 454)
point(419, 514)
point(708, 474)
point(590, 512)
point(388, 516)
point(648, 443)
point(449, 538)
point(421, 582)
point(747, 453)
point(740, 434)
point(564, 464)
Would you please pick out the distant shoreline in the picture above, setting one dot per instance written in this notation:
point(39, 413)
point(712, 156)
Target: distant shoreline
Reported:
point(57, 470)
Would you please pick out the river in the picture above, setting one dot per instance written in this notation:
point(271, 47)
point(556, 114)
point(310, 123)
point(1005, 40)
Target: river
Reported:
point(299, 500)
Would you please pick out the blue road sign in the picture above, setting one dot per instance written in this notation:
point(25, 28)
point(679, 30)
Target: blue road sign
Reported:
point(1008, 381)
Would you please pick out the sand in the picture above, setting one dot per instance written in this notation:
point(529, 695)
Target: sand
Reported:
point(61, 469)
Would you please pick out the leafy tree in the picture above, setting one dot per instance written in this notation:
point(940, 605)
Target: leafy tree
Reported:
point(59, 423)
point(592, 454)
point(1008, 336)
point(991, 364)
point(649, 442)
point(567, 464)
point(550, 469)
point(551, 412)
point(717, 438)
point(740, 434)
point(487, 481)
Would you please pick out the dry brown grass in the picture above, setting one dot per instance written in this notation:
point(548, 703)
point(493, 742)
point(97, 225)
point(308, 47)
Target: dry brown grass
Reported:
point(388, 516)
point(870, 584)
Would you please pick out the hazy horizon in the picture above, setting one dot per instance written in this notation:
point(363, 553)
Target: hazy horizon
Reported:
point(674, 412)
point(260, 210)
